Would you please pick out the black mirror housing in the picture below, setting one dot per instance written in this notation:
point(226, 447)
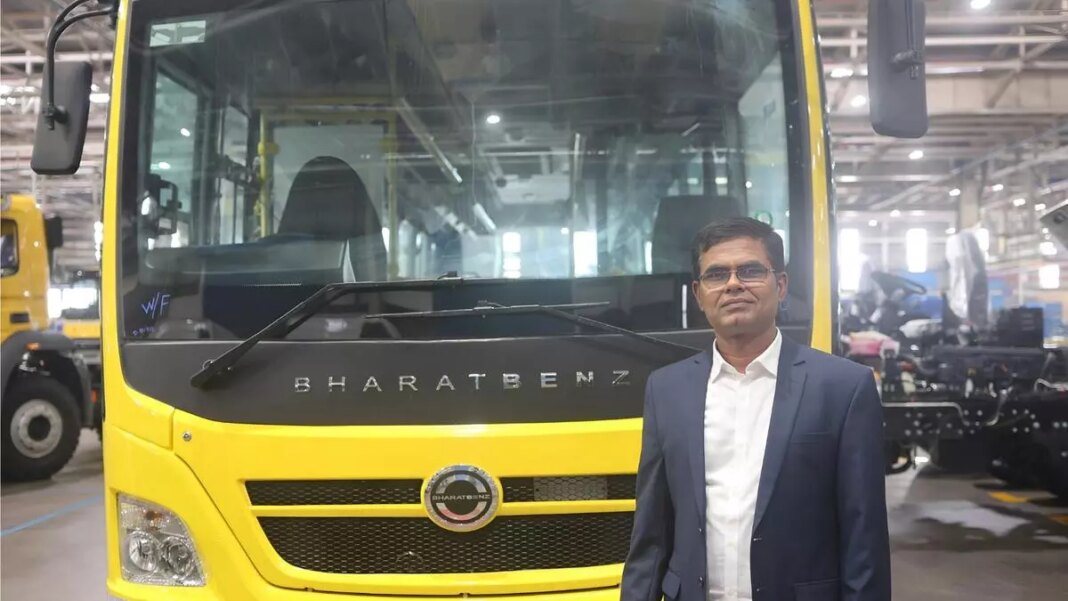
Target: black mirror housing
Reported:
point(57, 147)
point(897, 84)
point(54, 232)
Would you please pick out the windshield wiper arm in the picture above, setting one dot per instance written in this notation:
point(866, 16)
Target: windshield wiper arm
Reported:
point(291, 320)
point(557, 311)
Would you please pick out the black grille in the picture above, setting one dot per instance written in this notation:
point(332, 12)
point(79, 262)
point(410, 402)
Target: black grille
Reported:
point(334, 492)
point(568, 488)
point(406, 492)
point(417, 546)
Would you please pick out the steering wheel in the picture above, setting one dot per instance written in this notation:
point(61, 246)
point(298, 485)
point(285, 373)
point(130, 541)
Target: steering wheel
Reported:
point(890, 282)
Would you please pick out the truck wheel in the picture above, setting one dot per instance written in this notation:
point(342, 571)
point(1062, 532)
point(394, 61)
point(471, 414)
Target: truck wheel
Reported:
point(40, 429)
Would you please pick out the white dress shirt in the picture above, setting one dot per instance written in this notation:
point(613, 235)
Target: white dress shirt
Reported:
point(737, 417)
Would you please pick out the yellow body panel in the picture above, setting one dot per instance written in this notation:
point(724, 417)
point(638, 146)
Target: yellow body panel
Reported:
point(823, 330)
point(201, 479)
point(142, 469)
point(25, 291)
point(78, 329)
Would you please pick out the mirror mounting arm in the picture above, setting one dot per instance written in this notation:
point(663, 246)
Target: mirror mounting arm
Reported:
point(911, 58)
point(53, 113)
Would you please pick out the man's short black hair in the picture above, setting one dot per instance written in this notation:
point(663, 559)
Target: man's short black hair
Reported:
point(738, 227)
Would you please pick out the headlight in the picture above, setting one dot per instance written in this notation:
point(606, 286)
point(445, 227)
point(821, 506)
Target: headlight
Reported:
point(155, 546)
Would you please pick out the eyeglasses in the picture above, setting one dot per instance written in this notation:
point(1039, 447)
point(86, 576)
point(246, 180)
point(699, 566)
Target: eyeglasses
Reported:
point(717, 277)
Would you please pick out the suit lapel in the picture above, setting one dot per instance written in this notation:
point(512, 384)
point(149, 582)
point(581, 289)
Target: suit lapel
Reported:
point(694, 425)
point(788, 390)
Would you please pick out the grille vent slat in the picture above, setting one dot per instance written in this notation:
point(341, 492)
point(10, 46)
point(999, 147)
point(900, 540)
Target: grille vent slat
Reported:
point(406, 492)
point(417, 546)
point(333, 492)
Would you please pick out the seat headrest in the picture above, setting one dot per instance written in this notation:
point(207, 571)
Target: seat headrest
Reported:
point(329, 200)
point(678, 219)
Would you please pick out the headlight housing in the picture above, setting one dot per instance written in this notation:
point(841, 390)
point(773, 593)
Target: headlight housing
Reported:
point(155, 546)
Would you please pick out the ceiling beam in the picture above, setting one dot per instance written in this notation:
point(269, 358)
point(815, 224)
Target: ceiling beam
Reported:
point(899, 198)
point(1006, 80)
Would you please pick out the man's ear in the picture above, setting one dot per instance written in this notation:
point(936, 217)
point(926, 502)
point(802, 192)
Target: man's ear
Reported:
point(784, 283)
point(695, 288)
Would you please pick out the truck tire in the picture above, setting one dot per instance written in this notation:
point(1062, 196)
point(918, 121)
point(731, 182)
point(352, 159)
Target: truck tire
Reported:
point(39, 429)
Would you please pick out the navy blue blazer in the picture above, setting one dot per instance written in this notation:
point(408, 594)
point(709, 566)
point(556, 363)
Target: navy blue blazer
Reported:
point(819, 533)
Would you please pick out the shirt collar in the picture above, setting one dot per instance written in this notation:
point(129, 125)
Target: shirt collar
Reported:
point(768, 360)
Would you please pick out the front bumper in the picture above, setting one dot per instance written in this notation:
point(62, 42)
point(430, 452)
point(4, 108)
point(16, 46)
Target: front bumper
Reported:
point(144, 470)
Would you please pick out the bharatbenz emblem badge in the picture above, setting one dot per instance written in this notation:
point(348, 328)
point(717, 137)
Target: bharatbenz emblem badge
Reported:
point(461, 498)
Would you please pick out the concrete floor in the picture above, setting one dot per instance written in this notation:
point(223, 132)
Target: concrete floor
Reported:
point(954, 537)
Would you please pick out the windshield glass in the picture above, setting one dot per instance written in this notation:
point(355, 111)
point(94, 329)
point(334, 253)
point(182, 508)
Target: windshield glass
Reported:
point(545, 152)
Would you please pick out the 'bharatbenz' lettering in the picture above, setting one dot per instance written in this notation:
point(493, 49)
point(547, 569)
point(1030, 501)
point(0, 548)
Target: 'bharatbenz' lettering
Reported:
point(473, 382)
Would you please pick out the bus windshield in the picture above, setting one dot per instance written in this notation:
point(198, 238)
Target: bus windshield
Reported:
point(541, 152)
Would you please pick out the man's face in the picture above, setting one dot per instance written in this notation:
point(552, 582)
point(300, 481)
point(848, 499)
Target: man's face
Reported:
point(737, 290)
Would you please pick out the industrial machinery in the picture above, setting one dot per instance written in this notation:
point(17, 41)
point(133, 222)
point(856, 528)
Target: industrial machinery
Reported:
point(974, 395)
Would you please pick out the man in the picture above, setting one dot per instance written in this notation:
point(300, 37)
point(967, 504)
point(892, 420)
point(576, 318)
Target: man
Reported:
point(761, 472)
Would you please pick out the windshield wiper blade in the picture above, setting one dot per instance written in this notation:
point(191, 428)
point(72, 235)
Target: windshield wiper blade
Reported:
point(558, 311)
point(293, 318)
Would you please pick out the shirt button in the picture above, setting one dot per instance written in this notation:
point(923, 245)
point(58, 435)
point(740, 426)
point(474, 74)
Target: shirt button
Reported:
point(700, 530)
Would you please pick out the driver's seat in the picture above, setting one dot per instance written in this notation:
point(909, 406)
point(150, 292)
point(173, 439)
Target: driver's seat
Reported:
point(328, 201)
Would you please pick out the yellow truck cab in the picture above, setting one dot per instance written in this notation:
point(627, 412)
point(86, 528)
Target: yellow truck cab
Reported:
point(82, 325)
point(45, 382)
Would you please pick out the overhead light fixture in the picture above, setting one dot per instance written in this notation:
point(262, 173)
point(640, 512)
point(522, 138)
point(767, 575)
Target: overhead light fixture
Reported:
point(895, 213)
point(163, 165)
point(954, 192)
point(721, 181)
point(185, 132)
point(483, 216)
point(564, 231)
point(979, 4)
point(1019, 202)
point(1040, 206)
point(99, 97)
point(841, 72)
point(417, 127)
point(748, 185)
point(916, 155)
point(493, 119)
point(997, 187)
point(848, 179)
point(1047, 248)
point(917, 213)
point(873, 223)
point(858, 101)
point(951, 230)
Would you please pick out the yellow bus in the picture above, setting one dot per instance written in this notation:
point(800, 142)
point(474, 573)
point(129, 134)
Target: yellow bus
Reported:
point(383, 280)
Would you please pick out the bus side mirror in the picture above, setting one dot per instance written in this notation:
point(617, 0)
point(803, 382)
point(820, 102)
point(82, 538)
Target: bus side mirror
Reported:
point(897, 84)
point(54, 232)
point(57, 148)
